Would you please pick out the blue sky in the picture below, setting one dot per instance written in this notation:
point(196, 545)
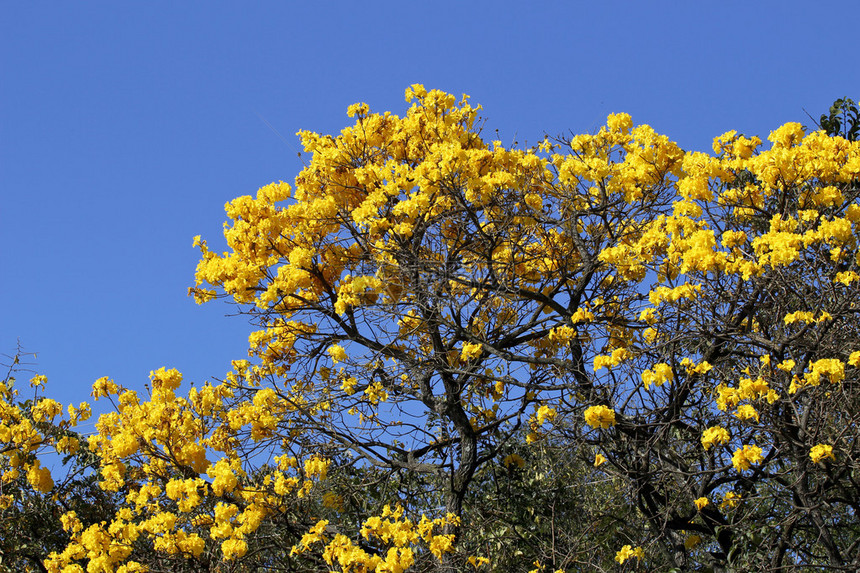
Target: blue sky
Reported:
point(125, 127)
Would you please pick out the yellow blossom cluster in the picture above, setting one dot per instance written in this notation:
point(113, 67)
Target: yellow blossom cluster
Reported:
point(832, 369)
point(744, 457)
point(600, 417)
point(390, 528)
point(714, 435)
point(730, 500)
point(29, 429)
point(610, 360)
point(158, 449)
point(658, 375)
point(628, 552)
point(820, 452)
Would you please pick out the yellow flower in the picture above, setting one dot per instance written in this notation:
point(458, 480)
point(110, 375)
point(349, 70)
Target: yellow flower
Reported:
point(234, 548)
point(357, 109)
point(440, 544)
point(846, 277)
point(714, 435)
point(168, 379)
point(46, 409)
point(599, 460)
point(703, 367)
point(799, 315)
point(619, 122)
point(470, 351)
point(627, 552)
point(747, 412)
point(727, 398)
point(786, 365)
point(609, 360)
point(658, 375)
point(534, 201)
point(40, 478)
point(104, 387)
point(68, 445)
point(476, 562)
point(730, 500)
point(70, 522)
point(744, 457)
point(581, 315)
point(600, 417)
point(545, 413)
point(821, 452)
point(224, 480)
point(337, 353)
point(316, 466)
point(701, 503)
point(348, 385)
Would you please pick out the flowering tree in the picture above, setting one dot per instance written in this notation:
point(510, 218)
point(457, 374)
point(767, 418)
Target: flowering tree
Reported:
point(747, 358)
point(32, 428)
point(437, 316)
point(426, 293)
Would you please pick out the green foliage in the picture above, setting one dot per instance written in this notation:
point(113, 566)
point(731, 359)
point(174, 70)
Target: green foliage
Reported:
point(557, 509)
point(843, 119)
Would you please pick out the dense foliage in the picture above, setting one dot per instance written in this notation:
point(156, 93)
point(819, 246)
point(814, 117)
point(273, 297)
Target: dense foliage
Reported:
point(599, 354)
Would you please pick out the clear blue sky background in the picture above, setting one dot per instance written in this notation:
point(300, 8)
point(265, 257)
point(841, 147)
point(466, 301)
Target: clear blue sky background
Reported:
point(125, 127)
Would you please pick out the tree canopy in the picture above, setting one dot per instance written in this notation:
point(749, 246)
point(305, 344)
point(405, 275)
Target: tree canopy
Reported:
point(601, 353)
